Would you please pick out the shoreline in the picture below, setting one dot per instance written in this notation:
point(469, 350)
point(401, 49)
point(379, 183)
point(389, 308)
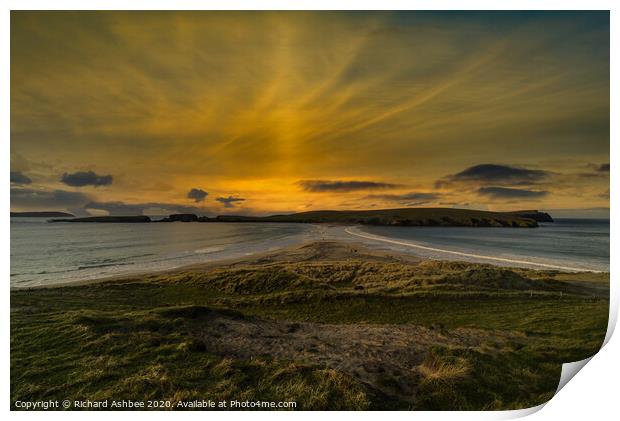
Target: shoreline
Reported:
point(546, 266)
point(246, 260)
point(346, 234)
point(287, 253)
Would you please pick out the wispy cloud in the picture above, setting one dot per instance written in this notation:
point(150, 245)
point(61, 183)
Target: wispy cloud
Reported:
point(40, 198)
point(409, 199)
point(322, 186)
point(122, 208)
point(510, 193)
point(156, 99)
point(229, 201)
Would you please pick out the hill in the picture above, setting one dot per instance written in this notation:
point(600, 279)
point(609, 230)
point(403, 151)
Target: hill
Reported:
point(413, 217)
point(404, 217)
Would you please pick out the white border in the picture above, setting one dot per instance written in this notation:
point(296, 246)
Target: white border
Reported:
point(592, 394)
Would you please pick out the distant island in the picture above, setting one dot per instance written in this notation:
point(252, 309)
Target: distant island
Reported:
point(46, 214)
point(134, 219)
point(447, 217)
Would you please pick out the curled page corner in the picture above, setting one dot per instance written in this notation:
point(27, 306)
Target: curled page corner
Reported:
point(519, 413)
point(613, 314)
point(569, 370)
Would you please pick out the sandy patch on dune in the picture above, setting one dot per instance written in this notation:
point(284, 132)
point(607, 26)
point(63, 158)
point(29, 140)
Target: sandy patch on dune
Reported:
point(386, 357)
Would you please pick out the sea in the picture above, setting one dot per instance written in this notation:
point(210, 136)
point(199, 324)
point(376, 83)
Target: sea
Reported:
point(566, 244)
point(45, 253)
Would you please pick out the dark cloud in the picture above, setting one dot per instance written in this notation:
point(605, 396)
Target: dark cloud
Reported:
point(122, 208)
point(319, 186)
point(40, 199)
point(497, 174)
point(80, 203)
point(407, 196)
point(411, 199)
point(603, 168)
point(506, 193)
point(19, 178)
point(86, 178)
point(229, 201)
point(198, 195)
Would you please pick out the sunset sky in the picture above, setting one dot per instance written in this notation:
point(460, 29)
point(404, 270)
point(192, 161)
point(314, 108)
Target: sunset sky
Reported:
point(272, 112)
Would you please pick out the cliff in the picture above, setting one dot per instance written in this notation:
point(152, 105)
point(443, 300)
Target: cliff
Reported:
point(533, 214)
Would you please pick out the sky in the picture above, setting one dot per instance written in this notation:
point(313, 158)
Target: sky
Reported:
point(279, 112)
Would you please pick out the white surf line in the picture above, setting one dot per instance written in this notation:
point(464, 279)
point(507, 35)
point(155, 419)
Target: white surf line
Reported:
point(458, 253)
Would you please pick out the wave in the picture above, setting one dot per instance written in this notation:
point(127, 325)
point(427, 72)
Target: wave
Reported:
point(208, 250)
point(102, 265)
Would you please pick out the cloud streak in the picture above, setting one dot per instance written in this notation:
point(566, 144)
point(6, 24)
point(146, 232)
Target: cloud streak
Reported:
point(325, 186)
point(229, 201)
point(510, 193)
point(410, 199)
point(38, 198)
point(121, 208)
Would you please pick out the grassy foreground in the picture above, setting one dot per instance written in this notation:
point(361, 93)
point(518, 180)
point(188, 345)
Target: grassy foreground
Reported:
point(327, 326)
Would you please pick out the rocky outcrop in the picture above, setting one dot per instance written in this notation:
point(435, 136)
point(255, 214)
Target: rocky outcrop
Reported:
point(182, 217)
point(533, 214)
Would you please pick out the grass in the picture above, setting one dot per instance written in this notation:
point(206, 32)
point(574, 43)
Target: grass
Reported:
point(472, 380)
point(144, 337)
point(152, 356)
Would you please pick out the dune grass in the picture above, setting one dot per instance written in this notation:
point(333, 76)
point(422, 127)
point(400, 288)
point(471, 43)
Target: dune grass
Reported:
point(143, 355)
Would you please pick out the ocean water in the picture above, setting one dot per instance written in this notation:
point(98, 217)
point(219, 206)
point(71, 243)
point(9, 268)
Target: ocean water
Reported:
point(50, 253)
point(44, 253)
point(569, 244)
